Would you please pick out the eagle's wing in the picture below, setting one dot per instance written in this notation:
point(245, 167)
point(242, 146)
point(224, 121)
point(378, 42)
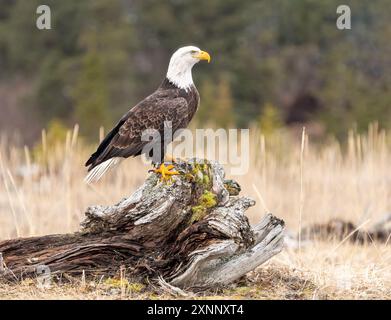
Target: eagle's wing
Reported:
point(151, 113)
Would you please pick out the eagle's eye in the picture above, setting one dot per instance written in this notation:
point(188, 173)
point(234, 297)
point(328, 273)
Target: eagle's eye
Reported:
point(193, 51)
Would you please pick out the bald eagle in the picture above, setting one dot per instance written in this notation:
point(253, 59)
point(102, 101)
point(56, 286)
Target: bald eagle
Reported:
point(175, 100)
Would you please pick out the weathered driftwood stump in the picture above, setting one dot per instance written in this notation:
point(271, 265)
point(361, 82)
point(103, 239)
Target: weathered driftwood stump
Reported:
point(191, 231)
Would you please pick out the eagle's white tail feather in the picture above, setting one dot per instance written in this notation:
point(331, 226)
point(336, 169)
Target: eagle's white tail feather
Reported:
point(97, 173)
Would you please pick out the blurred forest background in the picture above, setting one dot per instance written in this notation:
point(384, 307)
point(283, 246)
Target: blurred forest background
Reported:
point(274, 63)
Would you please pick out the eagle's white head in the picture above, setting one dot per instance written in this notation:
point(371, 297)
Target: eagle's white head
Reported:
point(181, 63)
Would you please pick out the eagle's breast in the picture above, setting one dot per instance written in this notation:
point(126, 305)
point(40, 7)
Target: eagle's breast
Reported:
point(190, 94)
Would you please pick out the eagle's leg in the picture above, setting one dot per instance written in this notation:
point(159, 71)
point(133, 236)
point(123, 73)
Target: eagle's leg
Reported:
point(169, 158)
point(172, 159)
point(166, 171)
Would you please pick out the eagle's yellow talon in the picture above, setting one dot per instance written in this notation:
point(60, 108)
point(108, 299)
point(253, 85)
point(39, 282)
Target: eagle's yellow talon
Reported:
point(166, 172)
point(172, 172)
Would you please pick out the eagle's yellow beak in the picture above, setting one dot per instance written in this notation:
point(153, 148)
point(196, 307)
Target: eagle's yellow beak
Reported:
point(202, 55)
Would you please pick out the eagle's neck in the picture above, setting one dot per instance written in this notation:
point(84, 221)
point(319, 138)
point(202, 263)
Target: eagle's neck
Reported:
point(179, 74)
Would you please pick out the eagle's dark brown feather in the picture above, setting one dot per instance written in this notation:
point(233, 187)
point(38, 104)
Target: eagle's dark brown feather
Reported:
point(167, 103)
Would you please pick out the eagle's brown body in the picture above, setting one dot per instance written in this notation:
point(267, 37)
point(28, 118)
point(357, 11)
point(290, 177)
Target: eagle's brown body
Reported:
point(167, 103)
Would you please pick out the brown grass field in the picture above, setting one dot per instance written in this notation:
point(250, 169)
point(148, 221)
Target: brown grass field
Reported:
point(302, 183)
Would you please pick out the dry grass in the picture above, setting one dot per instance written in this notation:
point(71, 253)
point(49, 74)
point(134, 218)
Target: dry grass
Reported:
point(301, 183)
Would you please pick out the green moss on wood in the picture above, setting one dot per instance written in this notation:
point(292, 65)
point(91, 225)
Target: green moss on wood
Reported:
point(200, 174)
point(206, 201)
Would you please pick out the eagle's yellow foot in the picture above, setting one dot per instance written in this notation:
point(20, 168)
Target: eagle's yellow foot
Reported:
point(166, 172)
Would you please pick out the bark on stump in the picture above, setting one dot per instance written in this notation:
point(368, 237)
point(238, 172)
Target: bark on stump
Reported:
point(191, 231)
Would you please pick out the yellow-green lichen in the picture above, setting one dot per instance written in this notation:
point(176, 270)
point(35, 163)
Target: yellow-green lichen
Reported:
point(136, 287)
point(206, 180)
point(206, 201)
point(124, 283)
point(200, 174)
point(189, 177)
point(116, 283)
